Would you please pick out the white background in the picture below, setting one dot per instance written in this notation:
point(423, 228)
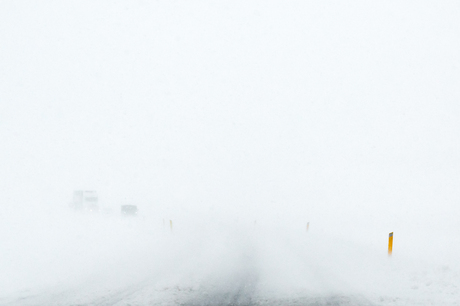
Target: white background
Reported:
point(346, 115)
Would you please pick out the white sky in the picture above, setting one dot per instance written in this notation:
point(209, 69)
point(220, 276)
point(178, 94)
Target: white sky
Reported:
point(314, 107)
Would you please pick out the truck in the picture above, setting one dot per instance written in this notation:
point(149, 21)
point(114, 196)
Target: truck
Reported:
point(85, 200)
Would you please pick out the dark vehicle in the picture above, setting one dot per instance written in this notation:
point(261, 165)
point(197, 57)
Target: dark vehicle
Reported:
point(129, 210)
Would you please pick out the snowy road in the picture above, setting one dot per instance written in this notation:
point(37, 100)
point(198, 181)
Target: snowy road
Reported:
point(113, 261)
point(147, 294)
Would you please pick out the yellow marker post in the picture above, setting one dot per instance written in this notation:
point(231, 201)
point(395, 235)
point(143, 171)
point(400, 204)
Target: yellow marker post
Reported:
point(170, 225)
point(390, 244)
point(308, 226)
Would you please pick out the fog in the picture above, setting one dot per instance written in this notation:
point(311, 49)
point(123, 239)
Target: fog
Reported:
point(240, 121)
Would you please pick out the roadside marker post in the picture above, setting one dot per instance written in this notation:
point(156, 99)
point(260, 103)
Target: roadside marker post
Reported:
point(170, 225)
point(390, 244)
point(308, 226)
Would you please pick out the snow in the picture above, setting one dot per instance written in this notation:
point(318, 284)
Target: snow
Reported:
point(82, 259)
point(240, 121)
